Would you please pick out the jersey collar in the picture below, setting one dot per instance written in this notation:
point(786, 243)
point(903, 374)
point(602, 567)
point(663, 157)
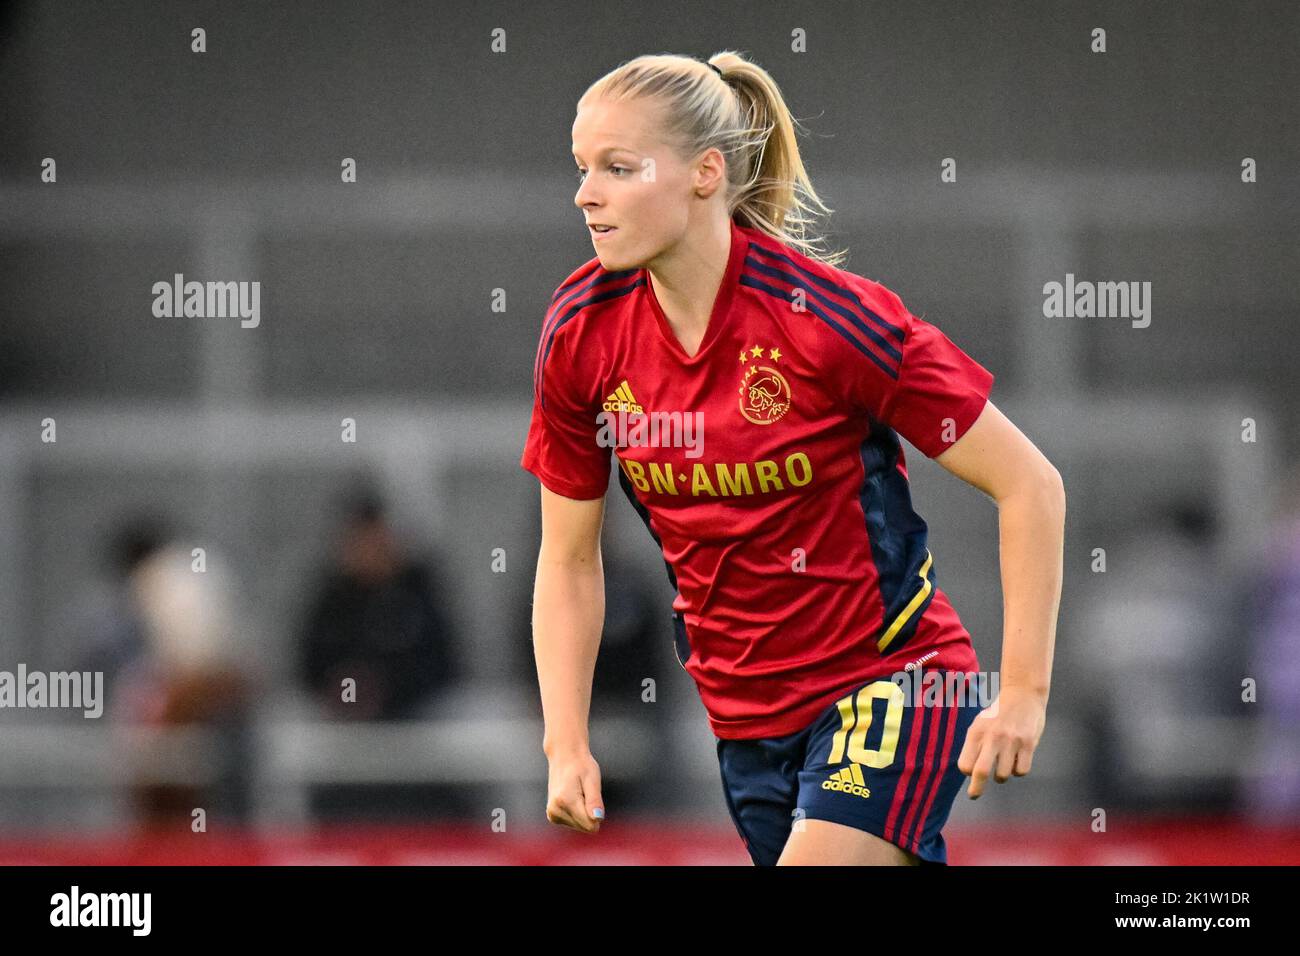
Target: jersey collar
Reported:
point(721, 303)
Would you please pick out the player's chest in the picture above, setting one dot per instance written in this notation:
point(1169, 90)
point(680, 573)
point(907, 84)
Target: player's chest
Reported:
point(748, 420)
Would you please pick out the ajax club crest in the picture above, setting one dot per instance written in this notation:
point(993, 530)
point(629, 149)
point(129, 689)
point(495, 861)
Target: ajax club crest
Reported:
point(764, 392)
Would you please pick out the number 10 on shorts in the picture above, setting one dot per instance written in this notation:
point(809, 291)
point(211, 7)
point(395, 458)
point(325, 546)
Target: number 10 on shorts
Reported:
point(852, 735)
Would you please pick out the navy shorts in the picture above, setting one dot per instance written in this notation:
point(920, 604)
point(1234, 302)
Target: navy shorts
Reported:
point(873, 761)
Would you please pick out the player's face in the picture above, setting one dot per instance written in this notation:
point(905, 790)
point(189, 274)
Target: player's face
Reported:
point(630, 179)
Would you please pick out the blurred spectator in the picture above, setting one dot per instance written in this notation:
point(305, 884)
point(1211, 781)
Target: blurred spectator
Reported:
point(170, 654)
point(114, 630)
point(635, 645)
point(1148, 663)
point(378, 620)
point(634, 642)
point(1272, 793)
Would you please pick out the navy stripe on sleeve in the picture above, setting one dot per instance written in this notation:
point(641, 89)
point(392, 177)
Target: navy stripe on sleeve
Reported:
point(565, 314)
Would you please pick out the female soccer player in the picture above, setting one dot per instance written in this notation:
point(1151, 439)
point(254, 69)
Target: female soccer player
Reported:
point(754, 394)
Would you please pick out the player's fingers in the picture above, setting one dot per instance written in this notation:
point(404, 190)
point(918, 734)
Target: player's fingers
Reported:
point(1024, 759)
point(576, 810)
point(966, 759)
point(983, 766)
point(971, 747)
point(565, 806)
point(593, 805)
point(1008, 749)
point(557, 813)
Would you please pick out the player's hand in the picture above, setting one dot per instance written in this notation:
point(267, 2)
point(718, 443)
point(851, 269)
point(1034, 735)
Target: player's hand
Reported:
point(573, 792)
point(1002, 739)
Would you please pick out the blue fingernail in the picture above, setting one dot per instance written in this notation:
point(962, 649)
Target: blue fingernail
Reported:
point(598, 813)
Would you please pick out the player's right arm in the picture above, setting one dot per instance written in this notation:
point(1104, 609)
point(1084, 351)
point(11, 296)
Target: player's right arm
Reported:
point(568, 614)
point(573, 467)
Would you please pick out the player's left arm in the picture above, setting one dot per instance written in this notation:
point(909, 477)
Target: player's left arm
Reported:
point(994, 456)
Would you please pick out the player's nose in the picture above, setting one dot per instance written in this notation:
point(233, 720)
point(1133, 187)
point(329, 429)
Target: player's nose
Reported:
point(585, 196)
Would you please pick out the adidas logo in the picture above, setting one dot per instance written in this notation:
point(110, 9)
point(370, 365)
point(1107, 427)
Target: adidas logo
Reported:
point(621, 400)
point(848, 780)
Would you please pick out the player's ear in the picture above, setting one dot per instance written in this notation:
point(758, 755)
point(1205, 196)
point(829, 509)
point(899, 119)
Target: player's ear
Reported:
point(710, 172)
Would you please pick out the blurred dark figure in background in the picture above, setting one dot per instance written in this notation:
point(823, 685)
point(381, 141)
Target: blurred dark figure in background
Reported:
point(376, 620)
point(1150, 661)
point(376, 645)
point(635, 650)
point(169, 656)
point(1272, 794)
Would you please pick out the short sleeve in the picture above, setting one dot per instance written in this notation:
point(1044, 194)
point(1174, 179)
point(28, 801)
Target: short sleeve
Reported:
point(926, 389)
point(561, 448)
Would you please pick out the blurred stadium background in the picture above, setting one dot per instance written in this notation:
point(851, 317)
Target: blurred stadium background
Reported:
point(379, 558)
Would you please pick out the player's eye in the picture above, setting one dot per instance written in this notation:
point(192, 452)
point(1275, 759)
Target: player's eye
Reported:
point(581, 173)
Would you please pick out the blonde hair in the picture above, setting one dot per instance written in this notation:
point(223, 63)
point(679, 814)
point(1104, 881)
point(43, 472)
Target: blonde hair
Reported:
point(743, 114)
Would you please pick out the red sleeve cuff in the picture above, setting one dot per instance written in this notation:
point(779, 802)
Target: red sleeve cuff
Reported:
point(933, 441)
point(578, 490)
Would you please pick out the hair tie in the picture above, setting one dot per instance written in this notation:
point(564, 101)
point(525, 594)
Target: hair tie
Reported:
point(714, 68)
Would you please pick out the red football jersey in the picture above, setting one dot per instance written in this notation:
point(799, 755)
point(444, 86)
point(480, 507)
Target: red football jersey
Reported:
point(767, 467)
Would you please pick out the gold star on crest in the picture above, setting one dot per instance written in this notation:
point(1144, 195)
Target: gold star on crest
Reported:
point(757, 351)
point(775, 354)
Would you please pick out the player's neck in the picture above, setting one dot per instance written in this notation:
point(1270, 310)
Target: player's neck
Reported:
point(687, 279)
